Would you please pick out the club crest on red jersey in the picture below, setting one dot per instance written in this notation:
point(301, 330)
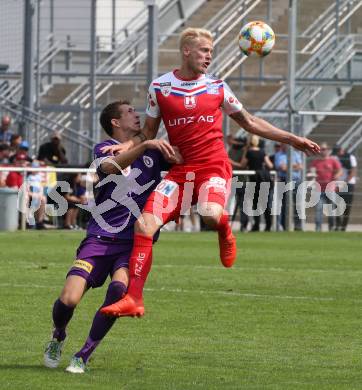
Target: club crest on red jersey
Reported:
point(165, 89)
point(190, 102)
point(212, 89)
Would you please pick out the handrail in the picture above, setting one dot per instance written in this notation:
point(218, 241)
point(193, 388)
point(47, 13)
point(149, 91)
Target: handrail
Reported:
point(313, 67)
point(41, 120)
point(47, 169)
point(224, 58)
point(228, 24)
point(131, 52)
point(324, 31)
point(221, 14)
point(333, 60)
point(136, 19)
point(315, 26)
point(93, 170)
point(232, 57)
point(49, 53)
point(352, 138)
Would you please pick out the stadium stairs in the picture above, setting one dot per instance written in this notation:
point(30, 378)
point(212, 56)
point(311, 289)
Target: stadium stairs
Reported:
point(169, 57)
point(252, 93)
point(330, 130)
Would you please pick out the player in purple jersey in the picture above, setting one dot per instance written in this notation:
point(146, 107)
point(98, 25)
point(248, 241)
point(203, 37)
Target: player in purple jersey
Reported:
point(126, 181)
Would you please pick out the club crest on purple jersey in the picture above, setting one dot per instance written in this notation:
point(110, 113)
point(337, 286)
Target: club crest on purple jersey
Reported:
point(148, 161)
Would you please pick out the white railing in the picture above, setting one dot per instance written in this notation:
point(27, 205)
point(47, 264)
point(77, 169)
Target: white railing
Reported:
point(132, 51)
point(320, 32)
point(92, 171)
point(49, 51)
point(324, 27)
point(335, 56)
point(353, 137)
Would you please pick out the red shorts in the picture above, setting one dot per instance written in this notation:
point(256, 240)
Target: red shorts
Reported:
point(185, 185)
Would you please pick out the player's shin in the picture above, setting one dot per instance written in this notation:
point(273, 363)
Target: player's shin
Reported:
point(227, 242)
point(223, 226)
point(62, 314)
point(102, 324)
point(139, 265)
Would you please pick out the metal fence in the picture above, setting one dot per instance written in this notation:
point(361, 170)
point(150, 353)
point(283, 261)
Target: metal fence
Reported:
point(310, 84)
point(243, 208)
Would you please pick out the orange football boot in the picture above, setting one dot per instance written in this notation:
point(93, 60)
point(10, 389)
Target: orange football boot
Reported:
point(227, 250)
point(125, 307)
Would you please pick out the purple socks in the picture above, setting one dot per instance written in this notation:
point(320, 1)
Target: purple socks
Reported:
point(61, 316)
point(102, 324)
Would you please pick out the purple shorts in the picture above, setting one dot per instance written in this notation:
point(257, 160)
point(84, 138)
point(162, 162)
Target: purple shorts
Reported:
point(98, 258)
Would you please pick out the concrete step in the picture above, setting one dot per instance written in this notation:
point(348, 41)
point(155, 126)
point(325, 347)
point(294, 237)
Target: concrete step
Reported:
point(331, 129)
point(58, 92)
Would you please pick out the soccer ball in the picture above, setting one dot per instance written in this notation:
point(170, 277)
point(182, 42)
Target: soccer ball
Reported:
point(256, 37)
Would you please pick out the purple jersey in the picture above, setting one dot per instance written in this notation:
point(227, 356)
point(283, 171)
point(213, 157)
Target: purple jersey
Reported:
point(120, 198)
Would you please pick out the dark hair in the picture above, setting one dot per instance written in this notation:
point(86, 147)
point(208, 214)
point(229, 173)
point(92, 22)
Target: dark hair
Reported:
point(14, 137)
point(111, 111)
point(4, 146)
point(240, 143)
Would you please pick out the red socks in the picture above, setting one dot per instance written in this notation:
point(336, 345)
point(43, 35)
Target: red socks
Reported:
point(139, 264)
point(223, 226)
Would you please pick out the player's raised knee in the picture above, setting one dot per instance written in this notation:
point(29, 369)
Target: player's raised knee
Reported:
point(210, 213)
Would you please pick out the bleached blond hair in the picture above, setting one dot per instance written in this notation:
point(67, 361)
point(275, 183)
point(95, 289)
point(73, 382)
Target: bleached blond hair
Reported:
point(191, 34)
point(254, 140)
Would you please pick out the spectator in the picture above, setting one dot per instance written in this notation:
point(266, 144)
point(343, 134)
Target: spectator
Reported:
point(15, 179)
point(255, 159)
point(15, 141)
point(327, 169)
point(281, 166)
point(4, 160)
point(349, 167)
point(75, 196)
point(37, 199)
point(5, 133)
point(4, 153)
point(277, 149)
point(23, 147)
point(236, 150)
point(53, 152)
point(180, 225)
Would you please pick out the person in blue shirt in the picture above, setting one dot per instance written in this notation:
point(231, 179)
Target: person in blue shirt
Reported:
point(5, 133)
point(281, 166)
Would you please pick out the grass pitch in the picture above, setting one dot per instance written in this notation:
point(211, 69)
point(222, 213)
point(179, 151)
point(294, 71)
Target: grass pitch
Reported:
point(287, 316)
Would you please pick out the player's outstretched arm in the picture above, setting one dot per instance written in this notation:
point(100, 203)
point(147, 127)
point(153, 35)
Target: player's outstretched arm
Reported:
point(123, 159)
point(148, 132)
point(264, 129)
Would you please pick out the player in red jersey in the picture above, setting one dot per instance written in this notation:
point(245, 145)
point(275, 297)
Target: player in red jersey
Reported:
point(190, 103)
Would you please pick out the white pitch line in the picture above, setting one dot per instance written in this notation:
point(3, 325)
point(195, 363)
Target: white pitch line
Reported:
point(266, 269)
point(32, 265)
point(183, 291)
point(237, 294)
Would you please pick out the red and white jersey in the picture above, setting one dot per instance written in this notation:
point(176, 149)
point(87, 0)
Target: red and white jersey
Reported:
point(192, 113)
